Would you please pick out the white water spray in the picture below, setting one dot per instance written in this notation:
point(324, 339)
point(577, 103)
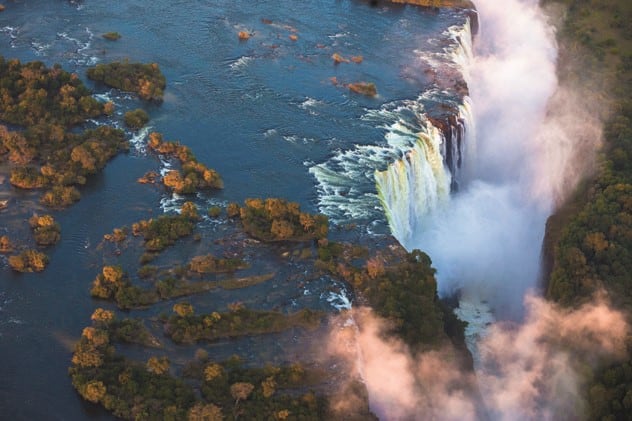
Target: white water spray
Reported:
point(486, 241)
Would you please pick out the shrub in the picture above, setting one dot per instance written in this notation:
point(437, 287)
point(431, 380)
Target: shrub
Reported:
point(136, 119)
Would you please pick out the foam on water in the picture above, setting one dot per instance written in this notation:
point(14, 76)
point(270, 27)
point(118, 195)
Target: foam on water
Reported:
point(80, 56)
point(41, 49)
point(139, 140)
point(12, 32)
point(346, 182)
point(479, 317)
point(172, 203)
point(310, 105)
point(240, 63)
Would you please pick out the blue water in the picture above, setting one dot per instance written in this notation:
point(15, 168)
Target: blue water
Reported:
point(261, 112)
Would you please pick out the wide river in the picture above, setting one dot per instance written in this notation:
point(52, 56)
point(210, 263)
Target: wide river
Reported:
point(263, 112)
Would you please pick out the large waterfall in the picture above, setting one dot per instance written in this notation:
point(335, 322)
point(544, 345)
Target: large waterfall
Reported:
point(440, 159)
point(422, 179)
point(424, 153)
point(421, 174)
point(485, 241)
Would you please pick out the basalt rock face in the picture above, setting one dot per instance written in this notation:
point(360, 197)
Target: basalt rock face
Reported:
point(453, 127)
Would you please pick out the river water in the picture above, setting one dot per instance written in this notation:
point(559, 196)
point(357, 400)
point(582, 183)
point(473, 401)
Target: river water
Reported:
point(264, 113)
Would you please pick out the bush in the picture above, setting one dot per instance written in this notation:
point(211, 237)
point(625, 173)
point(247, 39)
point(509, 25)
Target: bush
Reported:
point(46, 231)
point(136, 119)
point(28, 261)
point(144, 79)
point(277, 219)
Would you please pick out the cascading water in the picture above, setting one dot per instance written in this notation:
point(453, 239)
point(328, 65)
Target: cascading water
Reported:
point(420, 173)
point(485, 242)
point(423, 177)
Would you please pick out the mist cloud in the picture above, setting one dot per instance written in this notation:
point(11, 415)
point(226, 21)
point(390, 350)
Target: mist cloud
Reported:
point(527, 371)
point(534, 141)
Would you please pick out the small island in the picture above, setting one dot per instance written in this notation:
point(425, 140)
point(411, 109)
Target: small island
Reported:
point(276, 219)
point(146, 80)
point(193, 175)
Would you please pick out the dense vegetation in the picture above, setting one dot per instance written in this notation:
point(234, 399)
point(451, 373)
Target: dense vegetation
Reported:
point(46, 103)
point(114, 284)
point(277, 219)
point(6, 245)
point(28, 261)
point(591, 236)
point(46, 231)
point(51, 99)
point(164, 230)
point(136, 119)
point(185, 327)
point(398, 286)
point(44, 147)
point(211, 264)
point(144, 79)
point(226, 390)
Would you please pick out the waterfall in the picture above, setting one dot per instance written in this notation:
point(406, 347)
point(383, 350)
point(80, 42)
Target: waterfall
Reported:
point(440, 159)
point(419, 174)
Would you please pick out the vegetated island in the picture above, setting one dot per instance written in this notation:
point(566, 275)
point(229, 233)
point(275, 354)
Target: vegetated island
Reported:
point(45, 150)
point(43, 144)
point(146, 80)
point(45, 154)
point(112, 36)
point(207, 389)
point(192, 176)
point(399, 285)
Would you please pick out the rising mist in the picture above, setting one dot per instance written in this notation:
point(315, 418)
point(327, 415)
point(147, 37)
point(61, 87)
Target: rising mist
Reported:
point(527, 371)
point(531, 151)
point(534, 142)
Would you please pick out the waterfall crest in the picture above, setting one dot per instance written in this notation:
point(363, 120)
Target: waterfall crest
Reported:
point(420, 174)
point(423, 177)
point(423, 157)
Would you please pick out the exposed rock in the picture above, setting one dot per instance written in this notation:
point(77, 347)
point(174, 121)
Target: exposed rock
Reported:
point(244, 35)
point(357, 59)
point(294, 37)
point(337, 58)
point(363, 88)
point(150, 177)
